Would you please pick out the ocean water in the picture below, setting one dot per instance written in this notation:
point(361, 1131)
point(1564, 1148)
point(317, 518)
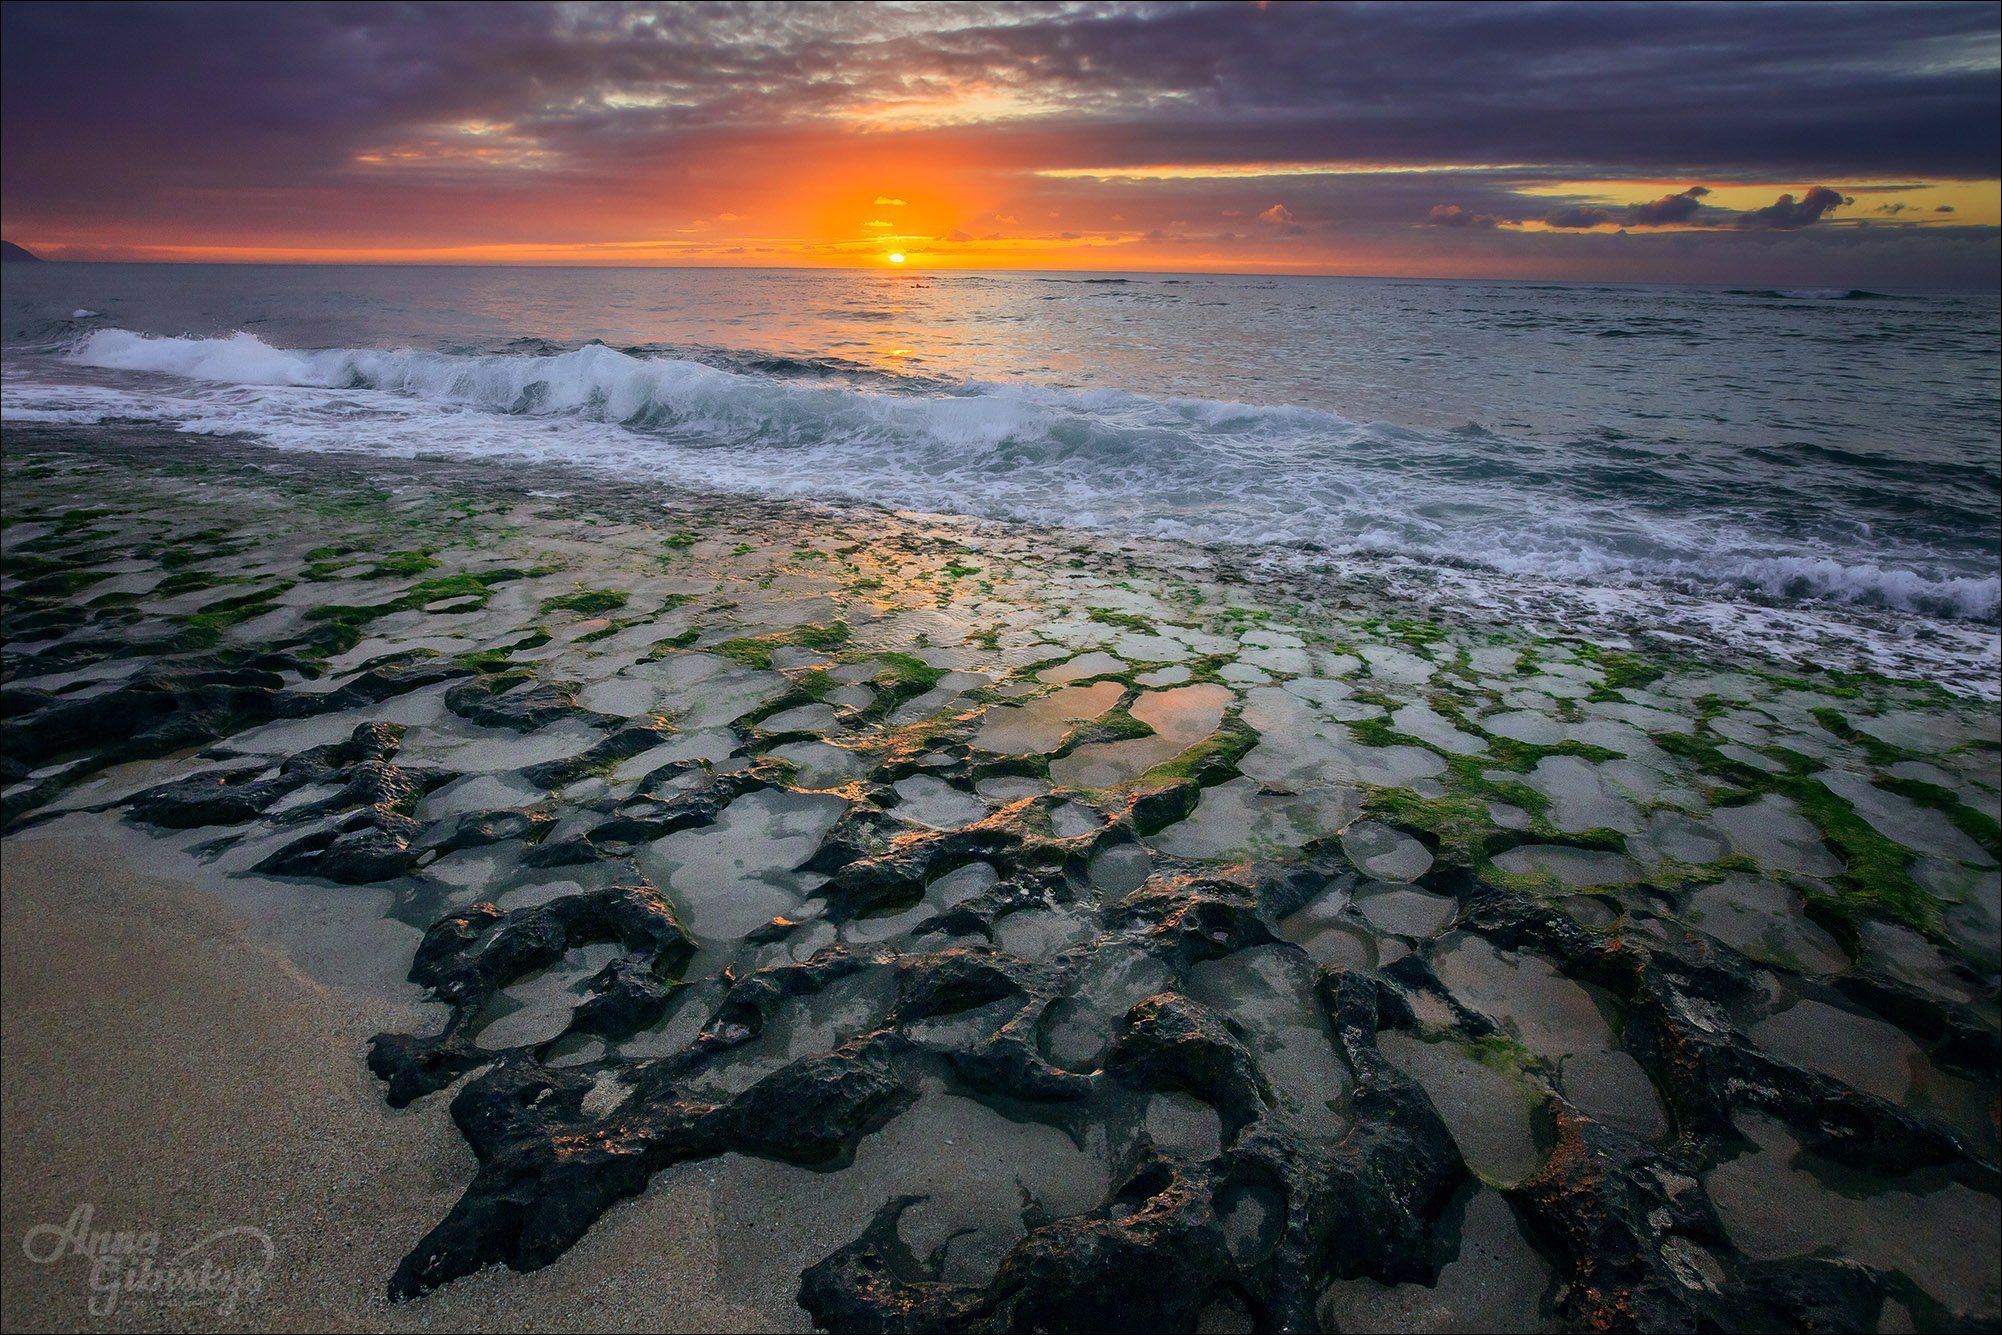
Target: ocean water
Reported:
point(1820, 468)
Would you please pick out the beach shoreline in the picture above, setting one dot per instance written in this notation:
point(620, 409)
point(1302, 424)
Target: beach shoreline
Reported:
point(1771, 633)
point(431, 685)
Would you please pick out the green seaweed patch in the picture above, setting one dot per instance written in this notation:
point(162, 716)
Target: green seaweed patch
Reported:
point(1621, 670)
point(340, 625)
point(1420, 635)
point(1218, 754)
point(188, 581)
point(1504, 1054)
point(1109, 616)
point(662, 648)
point(1379, 732)
point(1115, 725)
point(811, 686)
point(1503, 752)
point(1208, 669)
point(72, 520)
point(1875, 875)
point(902, 677)
point(476, 584)
point(785, 773)
point(26, 565)
point(586, 602)
point(756, 650)
point(403, 565)
point(205, 627)
point(1459, 821)
point(1539, 883)
point(212, 540)
point(1522, 757)
point(487, 660)
point(1846, 685)
point(1976, 825)
point(1880, 753)
point(62, 583)
point(1674, 875)
point(1697, 748)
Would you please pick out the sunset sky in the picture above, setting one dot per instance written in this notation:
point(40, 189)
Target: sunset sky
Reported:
point(1838, 144)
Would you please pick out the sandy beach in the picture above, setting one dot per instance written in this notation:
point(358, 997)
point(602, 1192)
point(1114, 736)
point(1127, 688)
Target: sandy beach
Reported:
point(202, 1081)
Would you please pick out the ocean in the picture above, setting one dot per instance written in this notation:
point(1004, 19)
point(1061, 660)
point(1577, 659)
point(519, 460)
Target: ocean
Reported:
point(1809, 472)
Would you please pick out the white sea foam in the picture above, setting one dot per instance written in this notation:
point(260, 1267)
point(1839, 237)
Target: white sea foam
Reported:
point(1190, 468)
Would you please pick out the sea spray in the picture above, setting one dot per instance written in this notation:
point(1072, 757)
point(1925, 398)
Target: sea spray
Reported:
point(1199, 469)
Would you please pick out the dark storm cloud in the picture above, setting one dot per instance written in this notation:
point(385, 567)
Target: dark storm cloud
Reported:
point(1686, 207)
point(240, 94)
point(1681, 207)
point(1669, 208)
point(1786, 212)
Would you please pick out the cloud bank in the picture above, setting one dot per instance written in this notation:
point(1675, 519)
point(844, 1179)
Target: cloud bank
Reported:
point(1421, 137)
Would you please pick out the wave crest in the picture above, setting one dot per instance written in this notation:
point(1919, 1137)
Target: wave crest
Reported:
point(1585, 511)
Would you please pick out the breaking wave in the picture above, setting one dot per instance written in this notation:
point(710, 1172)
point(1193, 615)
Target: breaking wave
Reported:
point(1591, 511)
point(1811, 293)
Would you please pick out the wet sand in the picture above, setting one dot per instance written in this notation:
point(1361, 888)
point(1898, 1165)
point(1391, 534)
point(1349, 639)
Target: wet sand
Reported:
point(174, 1073)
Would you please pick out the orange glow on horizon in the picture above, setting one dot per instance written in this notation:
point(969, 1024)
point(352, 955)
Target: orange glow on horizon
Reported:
point(871, 199)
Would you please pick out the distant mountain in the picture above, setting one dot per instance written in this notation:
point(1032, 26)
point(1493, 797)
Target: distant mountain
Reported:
point(10, 252)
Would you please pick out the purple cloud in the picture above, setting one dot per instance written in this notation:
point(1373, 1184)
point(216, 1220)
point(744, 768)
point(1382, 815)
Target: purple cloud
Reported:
point(1578, 215)
point(1787, 213)
point(1452, 215)
point(1669, 208)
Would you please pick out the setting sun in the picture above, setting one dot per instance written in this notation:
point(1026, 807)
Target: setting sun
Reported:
point(896, 257)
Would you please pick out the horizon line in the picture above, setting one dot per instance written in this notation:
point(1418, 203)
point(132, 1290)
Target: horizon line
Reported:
point(909, 272)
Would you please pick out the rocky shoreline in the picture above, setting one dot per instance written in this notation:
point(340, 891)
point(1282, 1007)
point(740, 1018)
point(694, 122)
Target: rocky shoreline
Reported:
point(1241, 954)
